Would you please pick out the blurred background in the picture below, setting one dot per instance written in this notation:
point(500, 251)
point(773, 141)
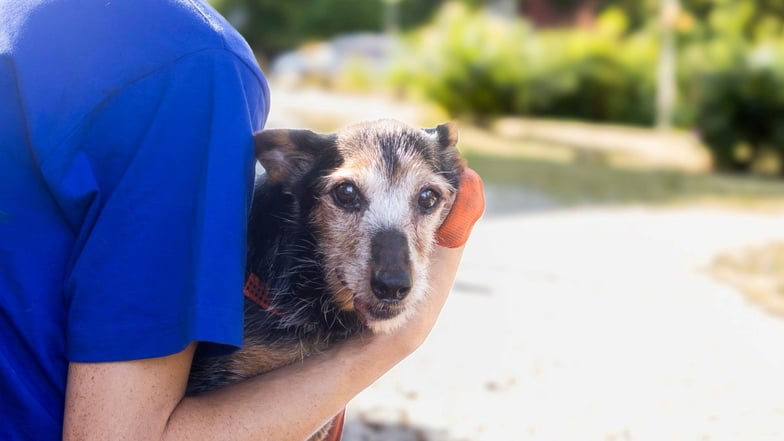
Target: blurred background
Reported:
point(627, 279)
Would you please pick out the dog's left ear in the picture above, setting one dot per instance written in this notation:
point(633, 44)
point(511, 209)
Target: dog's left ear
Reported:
point(445, 134)
point(451, 164)
point(286, 153)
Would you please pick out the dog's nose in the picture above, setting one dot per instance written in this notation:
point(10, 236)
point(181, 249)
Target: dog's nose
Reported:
point(390, 278)
point(390, 286)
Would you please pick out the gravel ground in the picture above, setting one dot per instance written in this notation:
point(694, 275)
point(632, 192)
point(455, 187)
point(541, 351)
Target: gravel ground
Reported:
point(592, 325)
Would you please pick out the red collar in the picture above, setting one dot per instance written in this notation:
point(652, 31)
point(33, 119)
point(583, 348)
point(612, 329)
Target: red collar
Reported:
point(257, 291)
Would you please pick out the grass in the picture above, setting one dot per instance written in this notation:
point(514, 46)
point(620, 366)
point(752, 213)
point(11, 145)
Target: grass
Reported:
point(574, 177)
point(756, 272)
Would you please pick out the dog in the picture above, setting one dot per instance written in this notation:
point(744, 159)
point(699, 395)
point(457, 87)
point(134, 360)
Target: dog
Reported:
point(339, 237)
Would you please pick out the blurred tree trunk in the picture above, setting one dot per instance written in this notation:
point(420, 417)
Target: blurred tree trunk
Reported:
point(666, 92)
point(391, 16)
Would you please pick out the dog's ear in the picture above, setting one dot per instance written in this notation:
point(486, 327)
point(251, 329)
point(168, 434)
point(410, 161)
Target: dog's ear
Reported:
point(286, 153)
point(445, 134)
point(450, 163)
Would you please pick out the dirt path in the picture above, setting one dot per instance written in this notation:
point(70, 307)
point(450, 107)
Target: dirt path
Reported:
point(592, 325)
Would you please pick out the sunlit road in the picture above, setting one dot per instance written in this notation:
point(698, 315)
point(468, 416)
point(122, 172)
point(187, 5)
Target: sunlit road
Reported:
point(593, 325)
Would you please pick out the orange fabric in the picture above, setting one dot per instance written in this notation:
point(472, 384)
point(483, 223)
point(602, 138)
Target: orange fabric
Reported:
point(336, 431)
point(256, 291)
point(467, 209)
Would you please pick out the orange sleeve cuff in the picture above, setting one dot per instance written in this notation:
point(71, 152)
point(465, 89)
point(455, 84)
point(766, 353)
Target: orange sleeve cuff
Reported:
point(468, 207)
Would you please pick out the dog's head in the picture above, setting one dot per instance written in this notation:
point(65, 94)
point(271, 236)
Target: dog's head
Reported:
point(375, 194)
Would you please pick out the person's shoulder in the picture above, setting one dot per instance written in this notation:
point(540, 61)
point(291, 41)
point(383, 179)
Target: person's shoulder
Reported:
point(176, 28)
point(117, 34)
point(189, 25)
point(70, 56)
point(228, 37)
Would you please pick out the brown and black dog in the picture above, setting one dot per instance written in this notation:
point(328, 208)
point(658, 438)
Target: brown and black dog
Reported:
point(339, 238)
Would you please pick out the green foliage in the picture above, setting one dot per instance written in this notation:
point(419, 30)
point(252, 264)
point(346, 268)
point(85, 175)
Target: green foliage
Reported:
point(467, 62)
point(274, 26)
point(732, 78)
point(740, 107)
point(474, 63)
point(641, 12)
point(730, 72)
point(749, 19)
point(597, 75)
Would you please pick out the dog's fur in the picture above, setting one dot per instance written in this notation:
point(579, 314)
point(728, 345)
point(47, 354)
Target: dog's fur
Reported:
point(340, 231)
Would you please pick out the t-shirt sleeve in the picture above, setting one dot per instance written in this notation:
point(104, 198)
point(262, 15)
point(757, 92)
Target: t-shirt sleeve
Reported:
point(158, 181)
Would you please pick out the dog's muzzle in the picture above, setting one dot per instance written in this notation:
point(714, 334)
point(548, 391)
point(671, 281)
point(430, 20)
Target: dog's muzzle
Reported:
point(390, 273)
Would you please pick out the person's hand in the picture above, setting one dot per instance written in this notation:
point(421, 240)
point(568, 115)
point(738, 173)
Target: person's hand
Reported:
point(466, 210)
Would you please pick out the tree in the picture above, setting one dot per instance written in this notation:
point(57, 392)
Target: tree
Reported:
point(274, 26)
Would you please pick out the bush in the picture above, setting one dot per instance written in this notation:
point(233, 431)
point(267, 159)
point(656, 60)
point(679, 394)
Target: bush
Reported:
point(730, 74)
point(478, 64)
point(469, 63)
point(274, 26)
point(740, 106)
point(595, 76)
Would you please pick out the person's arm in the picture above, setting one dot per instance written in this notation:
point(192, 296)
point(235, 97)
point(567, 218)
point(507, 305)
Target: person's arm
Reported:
point(144, 399)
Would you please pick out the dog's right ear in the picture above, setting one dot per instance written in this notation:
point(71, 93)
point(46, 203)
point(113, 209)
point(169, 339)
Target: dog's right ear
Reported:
point(444, 134)
point(286, 153)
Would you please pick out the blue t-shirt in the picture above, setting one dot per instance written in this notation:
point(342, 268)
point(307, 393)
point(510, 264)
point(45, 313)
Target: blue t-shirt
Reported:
point(126, 170)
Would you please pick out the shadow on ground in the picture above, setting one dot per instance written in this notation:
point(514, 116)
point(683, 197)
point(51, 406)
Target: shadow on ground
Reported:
point(357, 430)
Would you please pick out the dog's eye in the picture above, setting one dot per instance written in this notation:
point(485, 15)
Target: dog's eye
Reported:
point(428, 198)
point(347, 195)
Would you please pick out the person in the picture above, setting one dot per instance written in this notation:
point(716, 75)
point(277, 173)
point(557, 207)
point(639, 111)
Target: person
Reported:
point(126, 162)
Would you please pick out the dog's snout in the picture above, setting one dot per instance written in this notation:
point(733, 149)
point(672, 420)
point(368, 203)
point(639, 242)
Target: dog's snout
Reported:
point(390, 286)
point(390, 278)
